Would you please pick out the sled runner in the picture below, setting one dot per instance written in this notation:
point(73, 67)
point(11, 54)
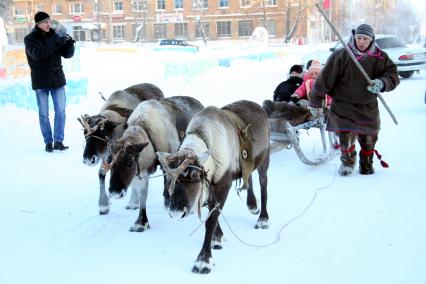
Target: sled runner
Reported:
point(294, 127)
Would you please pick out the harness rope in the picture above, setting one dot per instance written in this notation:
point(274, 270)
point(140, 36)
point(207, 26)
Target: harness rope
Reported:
point(278, 234)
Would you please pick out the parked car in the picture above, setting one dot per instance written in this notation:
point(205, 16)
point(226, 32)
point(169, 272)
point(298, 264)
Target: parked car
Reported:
point(407, 59)
point(177, 44)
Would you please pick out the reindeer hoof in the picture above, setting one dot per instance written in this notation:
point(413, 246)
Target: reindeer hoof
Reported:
point(202, 267)
point(103, 210)
point(132, 207)
point(262, 224)
point(203, 270)
point(138, 228)
point(253, 210)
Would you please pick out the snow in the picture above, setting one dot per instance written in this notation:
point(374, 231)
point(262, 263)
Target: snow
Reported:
point(324, 228)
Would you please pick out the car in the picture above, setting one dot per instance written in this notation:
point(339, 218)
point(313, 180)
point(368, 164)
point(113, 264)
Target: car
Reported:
point(177, 45)
point(407, 59)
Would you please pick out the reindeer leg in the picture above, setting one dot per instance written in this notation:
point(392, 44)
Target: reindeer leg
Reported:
point(104, 203)
point(251, 198)
point(217, 238)
point(141, 224)
point(134, 200)
point(262, 222)
point(203, 264)
point(166, 193)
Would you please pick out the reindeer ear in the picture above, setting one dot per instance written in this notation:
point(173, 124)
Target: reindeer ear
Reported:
point(202, 158)
point(137, 148)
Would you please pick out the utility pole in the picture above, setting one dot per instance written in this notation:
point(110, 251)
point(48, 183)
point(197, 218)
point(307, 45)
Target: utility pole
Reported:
point(111, 33)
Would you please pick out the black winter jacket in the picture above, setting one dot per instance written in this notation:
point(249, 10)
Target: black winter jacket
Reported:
point(285, 89)
point(44, 58)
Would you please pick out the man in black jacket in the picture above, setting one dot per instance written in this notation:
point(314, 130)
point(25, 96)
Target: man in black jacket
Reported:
point(44, 49)
point(285, 89)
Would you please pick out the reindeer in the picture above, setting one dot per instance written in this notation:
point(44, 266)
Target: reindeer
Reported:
point(153, 126)
point(110, 124)
point(221, 145)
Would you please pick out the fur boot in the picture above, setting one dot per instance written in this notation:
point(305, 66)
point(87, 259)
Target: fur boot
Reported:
point(348, 153)
point(366, 154)
point(365, 163)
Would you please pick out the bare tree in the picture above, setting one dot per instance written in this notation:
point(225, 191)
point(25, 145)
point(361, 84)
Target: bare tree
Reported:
point(290, 33)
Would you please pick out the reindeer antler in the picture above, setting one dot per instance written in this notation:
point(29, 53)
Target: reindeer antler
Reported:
point(173, 174)
point(90, 130)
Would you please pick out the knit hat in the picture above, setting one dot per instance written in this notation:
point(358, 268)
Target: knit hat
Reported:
point(365, 30)
point(41, 17)
point(315, 64)
point(296, 68)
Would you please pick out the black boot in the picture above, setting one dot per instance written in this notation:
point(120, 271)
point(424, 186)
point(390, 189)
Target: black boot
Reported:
point(60, 146)
point(366, 164)
point(49, 147)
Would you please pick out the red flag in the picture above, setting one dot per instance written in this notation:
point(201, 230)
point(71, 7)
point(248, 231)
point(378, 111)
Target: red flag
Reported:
point(326, 4)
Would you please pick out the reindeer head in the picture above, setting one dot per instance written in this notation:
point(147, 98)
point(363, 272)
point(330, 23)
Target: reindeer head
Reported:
point(187, 181)
point(124, 166)
point(97, 130)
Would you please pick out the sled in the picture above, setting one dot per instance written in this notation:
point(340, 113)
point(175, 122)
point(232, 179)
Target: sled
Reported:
point(290, 131)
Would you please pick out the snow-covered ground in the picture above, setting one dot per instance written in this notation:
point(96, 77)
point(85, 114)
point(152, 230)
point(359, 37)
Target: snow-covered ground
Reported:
point(324, 228)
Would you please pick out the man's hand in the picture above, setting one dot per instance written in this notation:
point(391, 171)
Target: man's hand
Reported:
point(61, 41)
point(377, 86)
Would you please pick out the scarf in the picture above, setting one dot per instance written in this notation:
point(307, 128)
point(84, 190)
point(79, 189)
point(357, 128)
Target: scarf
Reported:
point(373, 50)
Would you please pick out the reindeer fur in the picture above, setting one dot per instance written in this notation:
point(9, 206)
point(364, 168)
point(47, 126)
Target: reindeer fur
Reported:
point(114, 113)
point(153, 126)
point(212, 144)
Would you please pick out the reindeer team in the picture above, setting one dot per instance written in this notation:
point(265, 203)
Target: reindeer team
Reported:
point(200, 150)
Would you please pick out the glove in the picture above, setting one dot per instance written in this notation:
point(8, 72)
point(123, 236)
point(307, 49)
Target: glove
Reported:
point(316, 112)
point(59, 29)
point(377, 86)
point(61, 41)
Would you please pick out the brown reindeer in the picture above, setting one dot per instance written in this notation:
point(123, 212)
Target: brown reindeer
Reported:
point(153, 126)
point(280, 112)
point(221, 145)
point(110, 124)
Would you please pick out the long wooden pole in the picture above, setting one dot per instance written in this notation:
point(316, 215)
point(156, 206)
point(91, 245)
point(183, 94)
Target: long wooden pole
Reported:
point(356, 63)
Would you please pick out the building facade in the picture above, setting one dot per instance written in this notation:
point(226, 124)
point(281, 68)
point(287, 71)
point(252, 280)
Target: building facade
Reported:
point(152, 20)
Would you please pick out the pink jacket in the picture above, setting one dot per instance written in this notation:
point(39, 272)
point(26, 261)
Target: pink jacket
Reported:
point(306, 88)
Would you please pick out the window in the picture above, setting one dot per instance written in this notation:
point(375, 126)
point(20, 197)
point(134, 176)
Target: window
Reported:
point(181, 30)
point(20, 33)
point(245, 28)
point(197, 4)
point(161, 4)
point(160, 31)
point(198, 32)
point(77, 8)
point(224, 28)
point(19, 11)
point(57, 9)
point(178, 4)
point(118, 31)
point(271, 2)
point(39, 7)
point(139, 6)
point(223, 3)
point(245, 3)
point(78, 33)
point(271, 28)
point(118, 6)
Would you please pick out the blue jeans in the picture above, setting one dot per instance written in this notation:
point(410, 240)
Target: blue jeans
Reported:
point(59, 100)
